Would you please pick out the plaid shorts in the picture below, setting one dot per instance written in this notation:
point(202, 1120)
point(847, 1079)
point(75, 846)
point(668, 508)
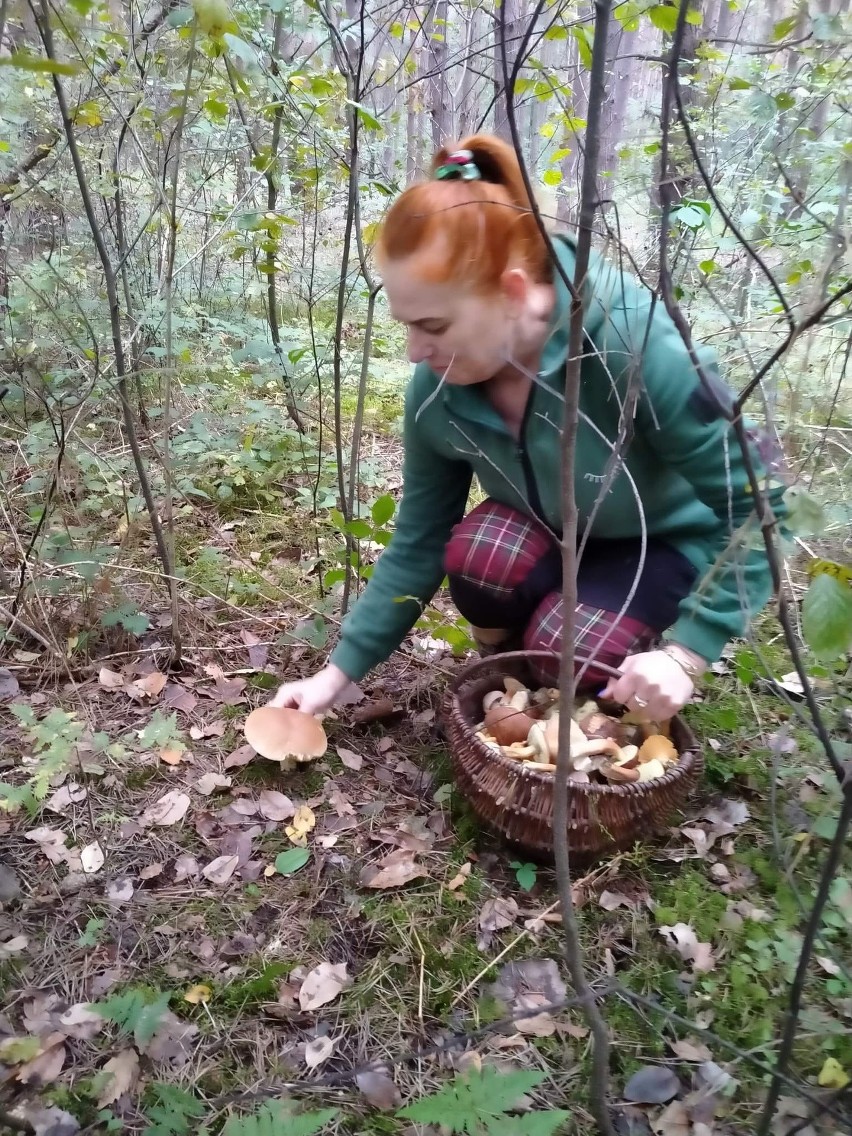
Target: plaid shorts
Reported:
point(505, 571)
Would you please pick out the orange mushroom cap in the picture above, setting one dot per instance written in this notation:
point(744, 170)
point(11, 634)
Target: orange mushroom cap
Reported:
point(279, 733)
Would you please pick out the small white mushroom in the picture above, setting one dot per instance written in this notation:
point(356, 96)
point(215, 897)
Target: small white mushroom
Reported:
point(651, 770)
point(537, 738)
point(492, 698)
point(541, 766)
point(520, 700)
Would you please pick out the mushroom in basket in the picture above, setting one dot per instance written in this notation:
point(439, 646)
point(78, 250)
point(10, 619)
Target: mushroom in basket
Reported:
point(523, 725)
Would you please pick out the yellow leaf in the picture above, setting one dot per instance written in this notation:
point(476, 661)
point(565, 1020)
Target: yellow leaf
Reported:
point(370, 232)
point(833, 1075)
point(303, 822)
point(198, 994)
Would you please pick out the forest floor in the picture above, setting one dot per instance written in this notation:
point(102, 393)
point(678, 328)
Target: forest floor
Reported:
point(162, 880)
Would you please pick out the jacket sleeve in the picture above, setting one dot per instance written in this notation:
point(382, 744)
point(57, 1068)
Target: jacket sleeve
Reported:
point(684, 420)
point(410, 570)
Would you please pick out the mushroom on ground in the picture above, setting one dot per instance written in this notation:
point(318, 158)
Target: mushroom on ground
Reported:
point(285, 735)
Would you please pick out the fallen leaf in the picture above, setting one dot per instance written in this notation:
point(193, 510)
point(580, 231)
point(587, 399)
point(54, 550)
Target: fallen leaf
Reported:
point(240, 756)
point(169, 809)
point(51, 842)
point(211, 730)
point(173, 755)
point(374, 711)
point(147, 686)
point(17, 1050)
point(171, 1043)
point(653, 1084)
point(45, 1121)
point(13, 946)
point(461, 877)
point(828, 966)
point(318, 1050)
point(151, 871)
point(610, 900)
point(379, 1090)
point(498, 913)
point(303, 822)
point(9, 686)
point(340, 803)
point(199, 994)
point(531, 984)
point(120, 1076)
point(65, 796)
point(286, 863)
point(257, 651)
point(691, 1050)
point(683, 938)
point(394, 870)
point(81, 1022)
point(10, 884)
point(92, 858)
point(45, 1068)
point(833, 1075)
point(673, 1121)
point(177, 697)
point(275, 806)
point(186, 868)
point(220, 870)
point(350, 759)
point(322, 985)
point(110, 680)
point(212, 782)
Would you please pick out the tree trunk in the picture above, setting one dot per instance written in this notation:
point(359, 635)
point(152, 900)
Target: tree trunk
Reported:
point(436, 58)
point(507, 41)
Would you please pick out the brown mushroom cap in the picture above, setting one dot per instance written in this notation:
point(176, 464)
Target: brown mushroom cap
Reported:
point(657, 747)
point(279, 733)
point(507, 725)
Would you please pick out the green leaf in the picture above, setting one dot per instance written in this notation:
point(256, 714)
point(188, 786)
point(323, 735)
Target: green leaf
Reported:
point(133, 621)
point(784, 100)
point(25, 61)
point(358, 528)
point(383, 509)
point(479, 1103)
point(277, 1119)
point(783, 28)
point(172, 1110)
point(558, 31)
point(628, 15)
point(583, 36)
point(180, 17)
point(694, 17)
point(707, 266)
point(134, 1012)
point(286, 863)
point(369, 119)
point(738, 84)
point(805, 515)
point(525, 874)
point(241, 49)
point(827, 617)
point(664, 17)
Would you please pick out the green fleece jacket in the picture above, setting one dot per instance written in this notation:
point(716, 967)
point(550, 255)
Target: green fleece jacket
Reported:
point(682, 462)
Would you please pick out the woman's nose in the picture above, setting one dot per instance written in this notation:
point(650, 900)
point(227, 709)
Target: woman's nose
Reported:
point(418, 346)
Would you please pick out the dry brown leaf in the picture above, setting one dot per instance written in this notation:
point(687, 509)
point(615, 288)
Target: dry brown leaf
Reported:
point(81, 1022)
point(275, 806)
point(220, 870)
point(303, 822)
point(13, 946)
point(240, 756)
point(186, 868)
point(683, 938)
point(45, 1068)
point(379, 1090)
point(394, 870)
point(461, 877)
point(322, 985)
point(92, 858)
point(340, 803)
point(169, 809)
point(498, 913)
point(689, 1049)
point(318, 1050)
point(673, 1121)
point(244, 808)
point(51, 842)
point(65, 796)
point(45, 1121)
point(177, 697)
point(212, 782)
point(121, 1074)
point(610, 900)
point(151, 871)
point(147, 686)
point(172, 1043)
point(110, 680)
point(228, 691)
point(350, 759)
point(257, 652)
point(374, 711)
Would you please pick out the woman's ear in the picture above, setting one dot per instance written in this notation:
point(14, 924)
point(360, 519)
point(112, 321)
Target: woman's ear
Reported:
point(514, 284)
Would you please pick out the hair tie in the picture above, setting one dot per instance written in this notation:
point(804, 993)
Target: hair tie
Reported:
point(459, 166)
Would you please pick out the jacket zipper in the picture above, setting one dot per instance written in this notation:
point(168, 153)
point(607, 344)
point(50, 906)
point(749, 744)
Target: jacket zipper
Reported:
point(526, 465)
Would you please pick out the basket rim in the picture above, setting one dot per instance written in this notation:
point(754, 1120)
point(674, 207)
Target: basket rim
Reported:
point(683, 768)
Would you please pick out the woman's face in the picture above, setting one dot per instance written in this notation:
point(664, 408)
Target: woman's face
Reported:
point(462, 334)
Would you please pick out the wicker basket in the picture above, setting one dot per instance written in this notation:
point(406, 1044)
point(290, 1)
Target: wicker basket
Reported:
point(517, 803)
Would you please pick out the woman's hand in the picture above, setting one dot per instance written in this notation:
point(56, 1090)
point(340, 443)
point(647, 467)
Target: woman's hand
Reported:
point(652, 684)
point(314, 695)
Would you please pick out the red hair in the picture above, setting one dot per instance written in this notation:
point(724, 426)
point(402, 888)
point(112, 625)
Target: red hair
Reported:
point(475, 229)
